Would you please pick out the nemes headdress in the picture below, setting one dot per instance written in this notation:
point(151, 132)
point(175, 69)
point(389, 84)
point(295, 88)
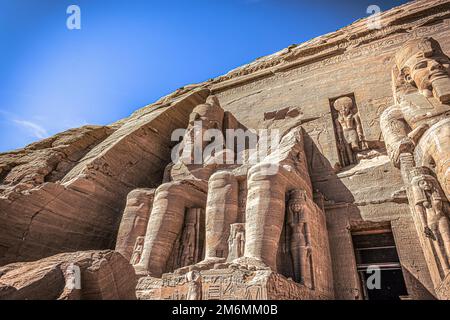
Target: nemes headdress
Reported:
point(210, 110)
point(420, 171)
point(422, 47)
point(297, 194)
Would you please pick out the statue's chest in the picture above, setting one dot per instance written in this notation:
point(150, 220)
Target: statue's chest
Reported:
point(347, 122)
point(418, 108)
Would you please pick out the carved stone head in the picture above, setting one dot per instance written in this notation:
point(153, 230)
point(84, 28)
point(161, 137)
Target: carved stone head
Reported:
point(422, 180)
point(426, 184)
point(204, 117)
point(423, 64)
point(139, 241)
point(210, 114)
point(237, 227)
point(344, 105)
point(297, 200)
point(193, 276)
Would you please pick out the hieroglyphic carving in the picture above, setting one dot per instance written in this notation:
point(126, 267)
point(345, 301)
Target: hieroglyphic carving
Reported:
point(279, 288)
point(282, 114)
point(376, 108)
point(225, 284)
point(253, 292)
point(214, 292)
point(359, 51)
point(365, 45)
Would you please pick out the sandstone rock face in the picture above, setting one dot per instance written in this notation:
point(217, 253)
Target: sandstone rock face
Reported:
point(362, 116)
point(90, 275)
point(417, 134)
point(48, 160)
point(83, 210)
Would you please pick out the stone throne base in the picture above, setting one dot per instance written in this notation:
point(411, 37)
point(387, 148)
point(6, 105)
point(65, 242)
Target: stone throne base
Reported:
point(226, 284)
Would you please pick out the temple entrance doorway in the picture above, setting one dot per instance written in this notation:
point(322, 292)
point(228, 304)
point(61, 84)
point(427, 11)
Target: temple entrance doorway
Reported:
point(378, 265)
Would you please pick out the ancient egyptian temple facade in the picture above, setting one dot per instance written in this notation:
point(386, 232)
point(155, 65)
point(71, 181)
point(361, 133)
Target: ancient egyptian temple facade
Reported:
point(349, 201)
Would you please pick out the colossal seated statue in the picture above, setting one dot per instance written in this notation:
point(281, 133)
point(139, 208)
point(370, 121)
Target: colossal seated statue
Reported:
point(241, 205)
point(419, 122)
point(185, 188)
point(417, 134)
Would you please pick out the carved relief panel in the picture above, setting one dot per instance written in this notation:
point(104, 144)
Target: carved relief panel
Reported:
point(189, 246)
point(295, 253)
point(348, 129)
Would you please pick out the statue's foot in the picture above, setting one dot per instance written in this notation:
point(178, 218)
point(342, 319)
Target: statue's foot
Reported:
point(206, 264)
point(182, 271)
point(141, 272)
point(247, 263)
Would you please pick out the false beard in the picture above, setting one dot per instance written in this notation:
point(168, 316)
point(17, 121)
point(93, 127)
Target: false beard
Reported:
point(441, 89)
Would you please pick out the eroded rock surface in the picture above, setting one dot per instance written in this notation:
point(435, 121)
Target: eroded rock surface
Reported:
point(90, 275)
point(48, 160)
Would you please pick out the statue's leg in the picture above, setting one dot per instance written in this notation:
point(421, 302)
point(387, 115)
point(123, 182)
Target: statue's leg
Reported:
point(439, 246)
point(221, 212)
point(165, 224)
point(265, 213)
point(304, 265)
point(296, 260)
point(444, 228)
point(442, 157)
point(350, 153)
point(134, 220)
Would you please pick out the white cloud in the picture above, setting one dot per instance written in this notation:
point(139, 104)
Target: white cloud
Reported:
point(36, 130)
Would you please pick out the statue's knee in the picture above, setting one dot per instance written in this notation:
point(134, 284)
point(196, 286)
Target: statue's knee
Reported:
point(170, 187)
point(264, 171)
point(221, 179)
point(139, 197)
point(167, 191)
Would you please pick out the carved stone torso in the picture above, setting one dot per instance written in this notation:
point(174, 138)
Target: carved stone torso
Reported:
point(347, 122)
point(417, 110)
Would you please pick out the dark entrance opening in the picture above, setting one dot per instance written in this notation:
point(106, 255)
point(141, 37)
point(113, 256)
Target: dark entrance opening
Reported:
point(378, 265)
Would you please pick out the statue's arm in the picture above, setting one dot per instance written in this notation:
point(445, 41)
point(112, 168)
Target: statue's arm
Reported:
point(395, 134)
point(360, 132)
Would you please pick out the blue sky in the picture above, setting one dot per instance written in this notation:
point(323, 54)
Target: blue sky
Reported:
point(130, 53)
